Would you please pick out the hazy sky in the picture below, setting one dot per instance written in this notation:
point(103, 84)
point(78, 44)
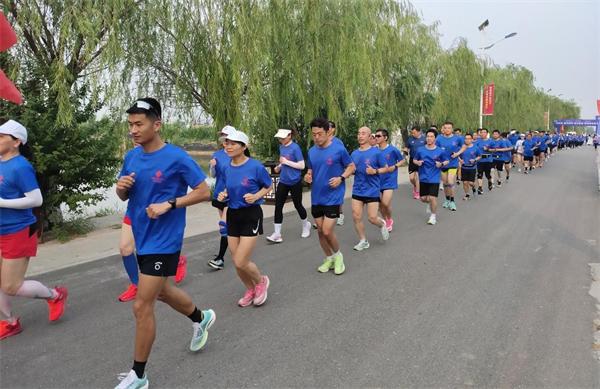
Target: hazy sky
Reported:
point(559, 41)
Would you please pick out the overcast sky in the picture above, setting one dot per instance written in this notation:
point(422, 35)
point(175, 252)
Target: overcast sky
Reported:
point(559, 41)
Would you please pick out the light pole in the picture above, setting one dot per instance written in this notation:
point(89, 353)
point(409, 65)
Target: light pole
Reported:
point(481, 28)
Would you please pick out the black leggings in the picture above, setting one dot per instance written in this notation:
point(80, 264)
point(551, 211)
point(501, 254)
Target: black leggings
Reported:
point(281, 195)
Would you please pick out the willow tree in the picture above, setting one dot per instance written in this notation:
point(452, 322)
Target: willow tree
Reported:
point(60, 64)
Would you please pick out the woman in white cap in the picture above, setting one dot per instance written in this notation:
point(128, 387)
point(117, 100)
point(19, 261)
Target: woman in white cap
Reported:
point(218, 164)
point(291, 164)
point(246, 183)
point(19, 194)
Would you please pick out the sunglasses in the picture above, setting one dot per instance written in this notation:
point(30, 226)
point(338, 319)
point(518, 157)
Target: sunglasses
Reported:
point(378, 136)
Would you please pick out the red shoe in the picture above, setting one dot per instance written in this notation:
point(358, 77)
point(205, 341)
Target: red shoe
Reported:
point(181, 269)
point(57, 305)
point(129, 293)
point(9, 329)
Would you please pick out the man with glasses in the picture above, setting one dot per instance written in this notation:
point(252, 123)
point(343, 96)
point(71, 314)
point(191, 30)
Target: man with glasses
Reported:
point(389, 177)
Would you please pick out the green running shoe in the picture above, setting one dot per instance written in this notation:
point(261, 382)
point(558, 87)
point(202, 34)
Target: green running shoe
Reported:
point(338, 265)
point(326, 266)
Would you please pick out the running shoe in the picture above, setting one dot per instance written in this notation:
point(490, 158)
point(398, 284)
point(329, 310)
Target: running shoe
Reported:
point(362, 245)
point(385, 234)
point(200, 334)
point(340, 220)
point(432, 220)
point(314, 225)
point(452, 206)
point(446, 203)
point(129, 293)
point(181, 269)
point(507, 178)
point(260, 291)
point(247, 299)
point(217, 263)
point(415, 193)
point(389, 223)
point(519, 170)
point(490, 185)
point(480, 191)
point(56, 306)
point(305, 229)
point(417, 196)
point(131, 381)
point(326, 266)
point(9, 329)
point(499, 183)
point(474, 190)
point(275, 238)
point(339, 267)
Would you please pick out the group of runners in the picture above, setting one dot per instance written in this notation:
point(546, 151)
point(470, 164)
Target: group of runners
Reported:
point(156, 177)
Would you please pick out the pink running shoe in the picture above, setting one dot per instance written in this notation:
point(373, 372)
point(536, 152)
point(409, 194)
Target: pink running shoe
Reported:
point(389, 224)
point(181, 269)
point(9, 329)
point(261, 291)
point(247, 299)
point(417, 195)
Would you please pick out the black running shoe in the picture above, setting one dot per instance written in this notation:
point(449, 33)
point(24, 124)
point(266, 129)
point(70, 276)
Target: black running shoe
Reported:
point(217, 263)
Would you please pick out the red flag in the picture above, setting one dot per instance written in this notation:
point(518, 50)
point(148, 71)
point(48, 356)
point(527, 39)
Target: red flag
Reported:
point(7, 35)
point(8, 91)
point(488, 100)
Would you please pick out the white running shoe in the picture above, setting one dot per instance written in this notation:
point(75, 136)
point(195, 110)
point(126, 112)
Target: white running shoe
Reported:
point(275, 238)
point(432, 220)
point(131, 381)
point(362, 245)
point(305, 229)
point(340, 220)
point(385, 234)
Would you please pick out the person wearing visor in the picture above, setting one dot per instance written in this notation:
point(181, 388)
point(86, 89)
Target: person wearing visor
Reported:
point(246, 183)
point(19, 194)
point(155, 178)
point(291, 164)
point(218, 165)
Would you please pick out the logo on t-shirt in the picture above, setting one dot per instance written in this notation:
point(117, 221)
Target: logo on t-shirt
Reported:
point(245, 182)
point(329, 161)
point(158, 177)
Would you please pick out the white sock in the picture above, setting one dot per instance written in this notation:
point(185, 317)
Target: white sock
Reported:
point(36, 290)
point(5, 305)
point(277, 228)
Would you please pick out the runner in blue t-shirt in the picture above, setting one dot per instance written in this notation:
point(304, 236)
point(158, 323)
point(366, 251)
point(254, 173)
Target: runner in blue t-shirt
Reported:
point(247, 182)
point(155, 178)
point(485, 164)
point(453, 146)
point(329, 166)
point(369, 163)
point(469, 159)
point(218, 165)
point(19, 194)
point(430, 159)
point(507, 154)
point(291, 164)
point(498, 146)
point(529, 146)
point(415, 141)
point(389, 180)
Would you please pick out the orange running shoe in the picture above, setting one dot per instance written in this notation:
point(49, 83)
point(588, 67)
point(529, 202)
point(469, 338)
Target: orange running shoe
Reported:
point(181, 269)
point(9, 329)
point(57, 305)
point(129, 293)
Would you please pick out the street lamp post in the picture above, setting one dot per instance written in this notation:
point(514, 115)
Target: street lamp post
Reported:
point(481, 28)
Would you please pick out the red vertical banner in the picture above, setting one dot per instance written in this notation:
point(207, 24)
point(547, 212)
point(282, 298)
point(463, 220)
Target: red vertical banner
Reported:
point(488, 100)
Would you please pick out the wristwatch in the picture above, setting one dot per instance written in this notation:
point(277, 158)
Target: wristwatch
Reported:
point(173, 203)
point(343, 178)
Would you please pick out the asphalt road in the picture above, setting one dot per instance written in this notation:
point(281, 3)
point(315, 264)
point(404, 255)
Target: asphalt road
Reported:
point(494, 295)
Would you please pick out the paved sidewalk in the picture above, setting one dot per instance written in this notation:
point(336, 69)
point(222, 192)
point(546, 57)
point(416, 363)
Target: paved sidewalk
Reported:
point(104, 242)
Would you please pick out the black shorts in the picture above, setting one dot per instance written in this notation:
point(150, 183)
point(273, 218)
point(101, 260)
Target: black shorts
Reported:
point(219, 204)
point(412, 168)
point(499, 165)
point(365, 199)
point(468, 174)
point(528, 158)
point(247, 221)
point(429, 189)
point(536, 152)
point(158, 265)
point(328, 211)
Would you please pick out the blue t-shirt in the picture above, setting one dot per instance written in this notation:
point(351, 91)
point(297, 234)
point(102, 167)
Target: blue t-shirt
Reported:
point(223, 161)
point(159, 176)
point(428, 171)
point(506, 156)
point(482, 144)
point(468, 156)
point(450, 144)
point(17, 177)
point(414, 144)
point(327, 162)
point(391, 156)
point(364, 184)
point(496, 144)
point(513, 138)
point(291, 152)
point(543, 144)
point(528, 146)
point(249, 177)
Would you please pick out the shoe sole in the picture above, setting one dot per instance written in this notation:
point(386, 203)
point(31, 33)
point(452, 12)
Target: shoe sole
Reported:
point(124, 300)
point(274, 240)
point(205, 334)
point(266, 292)
point(13, 333)
point(342, 271)
point(213, 266)
point(362, 248)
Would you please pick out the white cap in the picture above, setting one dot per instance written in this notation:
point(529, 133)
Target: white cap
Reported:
point(238, 136)
point(228, 130)
point(282, 133)
point(15, 129)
